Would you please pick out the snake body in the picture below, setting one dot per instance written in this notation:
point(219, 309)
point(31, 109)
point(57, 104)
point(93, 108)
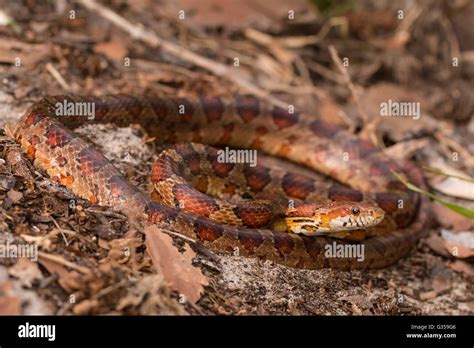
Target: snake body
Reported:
point(244, 122)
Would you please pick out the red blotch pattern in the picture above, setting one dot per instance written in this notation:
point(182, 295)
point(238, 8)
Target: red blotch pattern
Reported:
point(213, 107)
point(283, 119)
point(297, 185)
point(342, 193)
point(247, 108)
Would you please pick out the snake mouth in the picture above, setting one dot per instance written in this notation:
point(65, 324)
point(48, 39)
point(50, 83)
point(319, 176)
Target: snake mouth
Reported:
point(306, 226)
point(323, 225)
point(355, 222)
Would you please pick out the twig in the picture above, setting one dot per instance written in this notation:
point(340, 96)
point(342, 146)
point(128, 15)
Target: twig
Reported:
point(301, 41)
point(298, 90)
point(61, 261)
point(60, 231)
point(272, 44)
point(9, 217)
point(347, 80)
point(303, 70)
point(369, 128)
point(443, 138)
point(52, 70)
point(412, 15)
point(325, 72)
point(152, 39)
point(405, 149)
point(164, 228)
point(402, 34)
point(452, 37)
point(109, 213)
point(177, 234)
point(107, 290)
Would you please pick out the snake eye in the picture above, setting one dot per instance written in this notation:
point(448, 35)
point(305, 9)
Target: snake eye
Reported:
point(355, 211)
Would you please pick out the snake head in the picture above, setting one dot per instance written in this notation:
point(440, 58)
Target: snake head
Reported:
point(322, 219)
point(354, 216)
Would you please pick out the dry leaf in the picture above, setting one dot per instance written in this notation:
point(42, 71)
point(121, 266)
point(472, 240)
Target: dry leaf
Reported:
point(104, 244)
point(428, 295)
point(124, 250)
point(455, 188)
point(436, 243)
point(366, 23)
point(26, 271)
point(458, 250)
point(114, 50)
point(15, 300)
point(150, 295)
point(63, 273)
point(466, 238)
point(462, 267)
point(10, 305)
point(176, 267)
point(406, 149)
point(145, 78)
point(452, 186)
point(441, 278)
point(242, 14)
point(41, 241)
point(31, 54)
point(55, 268)
point(86, 307)
point(399, 128)
point(450, 219)
point(459, 244)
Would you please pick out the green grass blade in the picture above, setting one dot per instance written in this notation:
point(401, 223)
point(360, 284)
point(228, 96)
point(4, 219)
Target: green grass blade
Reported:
point(440, 172)
point(454, 207)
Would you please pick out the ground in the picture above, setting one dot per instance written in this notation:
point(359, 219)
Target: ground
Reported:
point(94, 260)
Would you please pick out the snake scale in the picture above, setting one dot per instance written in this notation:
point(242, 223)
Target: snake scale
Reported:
point(243, 122)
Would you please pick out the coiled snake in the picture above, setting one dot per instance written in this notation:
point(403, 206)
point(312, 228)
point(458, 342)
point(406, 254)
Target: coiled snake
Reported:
point(244, 123)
